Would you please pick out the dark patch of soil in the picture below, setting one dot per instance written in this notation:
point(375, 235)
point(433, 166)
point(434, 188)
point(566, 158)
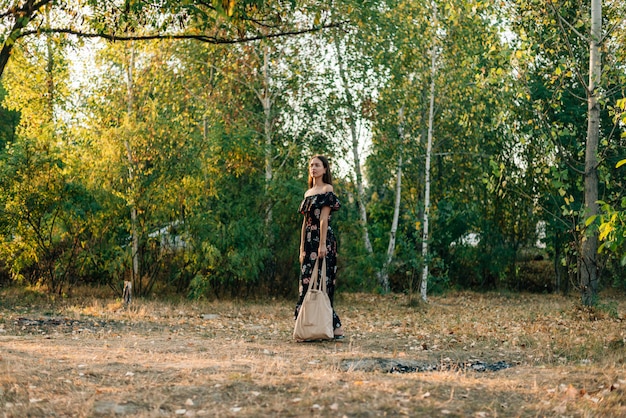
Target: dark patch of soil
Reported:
point(410, 366)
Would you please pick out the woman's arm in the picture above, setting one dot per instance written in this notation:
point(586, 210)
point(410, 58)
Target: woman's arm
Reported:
point(321, 251)
point(302, 253)
point(324, 216)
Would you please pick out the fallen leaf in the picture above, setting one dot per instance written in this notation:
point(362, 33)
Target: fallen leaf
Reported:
point(571, 393)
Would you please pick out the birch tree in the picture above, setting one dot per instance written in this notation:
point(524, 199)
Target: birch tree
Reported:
point(397, 123)
point(265, 96)
point(356, 142)
point(573, 39)
point(134, 229)
point(589, 273)
point(384, 272)
point(373, 57)
point(431, 115)
point(468, 34)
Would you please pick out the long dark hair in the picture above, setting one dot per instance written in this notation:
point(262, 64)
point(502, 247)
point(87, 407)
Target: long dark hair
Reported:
point(327, 177)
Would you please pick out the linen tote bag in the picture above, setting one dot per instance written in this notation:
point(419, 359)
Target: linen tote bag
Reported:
point(315, 319)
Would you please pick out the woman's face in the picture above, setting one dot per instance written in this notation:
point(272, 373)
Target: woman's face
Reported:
point(316, 168)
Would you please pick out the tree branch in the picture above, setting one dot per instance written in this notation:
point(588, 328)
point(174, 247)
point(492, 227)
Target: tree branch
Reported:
point(569, 45)
point(563, 20)
point(202, 38)
point(609, 31)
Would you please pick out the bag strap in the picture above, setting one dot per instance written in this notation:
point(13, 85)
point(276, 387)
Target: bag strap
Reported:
point(314, 275)
point(316, 280)
point(322, 286)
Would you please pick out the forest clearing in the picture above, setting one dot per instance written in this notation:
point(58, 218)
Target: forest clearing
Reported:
point(460, 355)
point(184, 151)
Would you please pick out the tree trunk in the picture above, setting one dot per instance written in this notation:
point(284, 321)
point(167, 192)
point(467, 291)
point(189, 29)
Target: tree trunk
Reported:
point(557, 264)
point(589, 267)
point(355, 149)
point(49, 71)
point(360, 191)
point(266, 100)
point(429, 146)
point(136, 273)
point(384, 273)
point(22, 18)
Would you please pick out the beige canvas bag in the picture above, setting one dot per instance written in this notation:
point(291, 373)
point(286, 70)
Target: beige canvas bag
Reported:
point(315, 319)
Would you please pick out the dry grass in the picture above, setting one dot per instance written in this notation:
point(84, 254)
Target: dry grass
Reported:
point(89, 357)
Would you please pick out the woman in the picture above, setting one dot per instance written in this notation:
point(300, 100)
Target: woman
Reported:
point(317, 239)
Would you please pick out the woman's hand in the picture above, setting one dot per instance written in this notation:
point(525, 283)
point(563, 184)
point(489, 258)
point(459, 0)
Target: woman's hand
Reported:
point(321, 251)
point(302, 255)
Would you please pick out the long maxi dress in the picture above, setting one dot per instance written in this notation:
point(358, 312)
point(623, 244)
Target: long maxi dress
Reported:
point(311, 208)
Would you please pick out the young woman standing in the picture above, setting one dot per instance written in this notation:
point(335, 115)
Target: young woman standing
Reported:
point(317, 239)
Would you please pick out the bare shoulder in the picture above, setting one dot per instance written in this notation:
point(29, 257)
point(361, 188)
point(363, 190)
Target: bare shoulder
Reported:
point(328, 188)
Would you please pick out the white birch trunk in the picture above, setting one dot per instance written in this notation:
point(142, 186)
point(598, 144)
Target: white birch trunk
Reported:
point(352, 120)
point(129, 155)
point(429, 146)
point(266, 100)
point(360, 190)
point(49, 71)
point(589, 267)
point(384, 273)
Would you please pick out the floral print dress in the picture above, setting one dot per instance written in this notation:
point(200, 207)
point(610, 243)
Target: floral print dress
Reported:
point(311, 208)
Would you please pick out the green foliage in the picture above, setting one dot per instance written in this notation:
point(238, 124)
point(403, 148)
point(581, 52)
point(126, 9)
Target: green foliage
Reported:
point(199, 287)
point(612, 235)
point(612, 218)
point(43, 217)
point(44, 209)
point(183, 134)
point(10, 119)
point(356, 269)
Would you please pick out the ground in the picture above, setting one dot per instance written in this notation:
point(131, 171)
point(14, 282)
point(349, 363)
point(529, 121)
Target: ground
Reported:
point(459, 355)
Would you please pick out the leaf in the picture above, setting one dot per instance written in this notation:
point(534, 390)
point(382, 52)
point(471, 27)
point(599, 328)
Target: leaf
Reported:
point(605, 230)
point(620, 163)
